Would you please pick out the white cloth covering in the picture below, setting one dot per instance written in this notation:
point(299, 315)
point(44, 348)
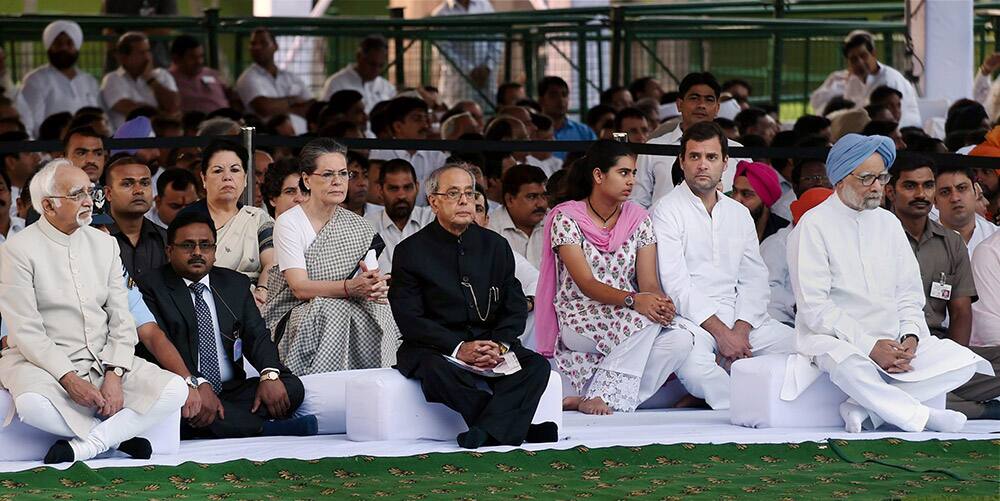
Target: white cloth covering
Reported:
point(119, 85)
point(257, 82)
point(855, 283)
point(45, 91)
point(710, 264)
point(37, 411)
point(392, 235)
point(529, 246)
point(774, 251)
point(653, 178)
point(986, 311)
point(293, 234)
point(549, 165)
point(372, 92)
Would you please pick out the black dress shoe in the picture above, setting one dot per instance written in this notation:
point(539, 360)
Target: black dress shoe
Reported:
point(542, 432)
point(137, 448)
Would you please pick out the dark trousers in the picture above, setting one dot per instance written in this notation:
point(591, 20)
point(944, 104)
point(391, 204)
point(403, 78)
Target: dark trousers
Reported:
point(237, 400)
point(505, 413)
point(968, 398)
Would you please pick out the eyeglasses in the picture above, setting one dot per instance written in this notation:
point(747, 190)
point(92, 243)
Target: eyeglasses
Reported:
point(190, 246)
point(455, 195)
point(77, 196)
point(330, 175)
point(869, 179)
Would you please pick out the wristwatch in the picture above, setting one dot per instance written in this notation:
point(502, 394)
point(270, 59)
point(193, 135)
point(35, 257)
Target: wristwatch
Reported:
point(630, 300)
point(192, 382)
point(269, 376)
point(118, 371)
point(908, 336)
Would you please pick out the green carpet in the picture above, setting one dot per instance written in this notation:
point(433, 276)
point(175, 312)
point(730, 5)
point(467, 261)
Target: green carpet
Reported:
point(858, 469)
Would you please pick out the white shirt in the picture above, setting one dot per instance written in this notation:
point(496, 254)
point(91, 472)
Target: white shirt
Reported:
point(526, 273)
point(710, 264)
point(843, 83)
point(119, 85)
point(46, 91)
point(986, 311)
point(225, 367)
point(257, 82)
point(293, 234)
point(549, 165)
point(154, 216)
point(16, 225)
point(855, 278)
point(392, 235)
point(984, 230)
point(774, 252)
point(372, 92)
point(15, 193)
point(423, 161)
point(529, 246)
point(653, 178)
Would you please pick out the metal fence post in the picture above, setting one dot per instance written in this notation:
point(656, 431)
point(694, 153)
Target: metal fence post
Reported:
point(246, 137)
point(778, 57)
point(581, 55)
point(617, 21)
point(508, 56)
point(399, 63)
point(528, 49)
point(211, 22)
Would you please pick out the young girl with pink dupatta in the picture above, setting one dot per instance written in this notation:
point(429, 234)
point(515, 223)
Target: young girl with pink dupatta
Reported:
point(600, 311)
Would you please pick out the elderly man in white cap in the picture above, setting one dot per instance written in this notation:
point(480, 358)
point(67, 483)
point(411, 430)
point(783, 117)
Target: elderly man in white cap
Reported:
point(860, 304)
point(58, 86)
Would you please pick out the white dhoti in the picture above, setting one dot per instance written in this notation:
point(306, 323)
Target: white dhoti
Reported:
point(635, 369)
point(701, 374)
point(37, 411)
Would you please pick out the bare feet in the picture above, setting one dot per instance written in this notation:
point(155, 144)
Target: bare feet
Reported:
point(595, 406)
point(571, 403)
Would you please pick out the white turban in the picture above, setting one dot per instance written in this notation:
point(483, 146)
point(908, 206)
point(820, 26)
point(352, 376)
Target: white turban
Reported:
point(70, 28)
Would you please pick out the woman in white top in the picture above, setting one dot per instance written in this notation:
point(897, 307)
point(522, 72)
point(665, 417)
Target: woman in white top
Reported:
point(329, 312)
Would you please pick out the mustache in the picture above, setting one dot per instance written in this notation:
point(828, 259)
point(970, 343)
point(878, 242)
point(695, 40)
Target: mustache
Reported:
point(196, 260)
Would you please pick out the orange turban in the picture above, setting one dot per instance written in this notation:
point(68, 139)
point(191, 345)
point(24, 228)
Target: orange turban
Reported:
point(811, 198)
point(990, 147)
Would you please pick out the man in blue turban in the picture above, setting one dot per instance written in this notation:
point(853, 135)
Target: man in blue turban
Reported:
point(860, 304)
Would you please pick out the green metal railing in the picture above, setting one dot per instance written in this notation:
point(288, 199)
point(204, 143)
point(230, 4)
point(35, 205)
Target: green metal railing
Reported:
point(784, 48)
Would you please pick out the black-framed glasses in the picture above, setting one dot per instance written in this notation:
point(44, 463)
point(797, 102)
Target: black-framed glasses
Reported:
point(869, 179)
point(455, 195)
point(77, 196)
point(190, 246)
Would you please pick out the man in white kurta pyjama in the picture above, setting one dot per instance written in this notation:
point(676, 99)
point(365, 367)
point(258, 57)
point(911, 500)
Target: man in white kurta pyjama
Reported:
point(860, 304)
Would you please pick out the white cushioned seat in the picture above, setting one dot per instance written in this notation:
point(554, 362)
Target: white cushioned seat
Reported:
point(20, 442)
point(755, 402)
point(383, 405)
point(326, 398)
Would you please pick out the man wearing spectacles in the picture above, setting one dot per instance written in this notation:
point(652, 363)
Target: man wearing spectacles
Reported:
point(454, 294)
point(860, 302)
point(70, 361)
point(209, 314)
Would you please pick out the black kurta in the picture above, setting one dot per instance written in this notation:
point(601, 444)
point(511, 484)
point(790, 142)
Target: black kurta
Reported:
point(435, 313)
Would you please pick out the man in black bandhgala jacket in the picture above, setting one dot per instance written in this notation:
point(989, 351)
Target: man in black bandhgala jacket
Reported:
point(453, 293)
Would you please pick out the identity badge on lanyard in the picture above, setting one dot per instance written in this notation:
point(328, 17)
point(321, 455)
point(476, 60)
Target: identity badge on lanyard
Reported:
point(941, 290)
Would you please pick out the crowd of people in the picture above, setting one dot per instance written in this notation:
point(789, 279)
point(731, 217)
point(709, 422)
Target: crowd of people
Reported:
point(125, 275)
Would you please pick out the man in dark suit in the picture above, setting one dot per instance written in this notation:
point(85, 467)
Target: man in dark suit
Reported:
point(210, 315)
point(453, 293)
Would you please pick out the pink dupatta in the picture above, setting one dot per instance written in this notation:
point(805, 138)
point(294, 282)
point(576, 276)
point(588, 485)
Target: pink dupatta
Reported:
point(546, 324)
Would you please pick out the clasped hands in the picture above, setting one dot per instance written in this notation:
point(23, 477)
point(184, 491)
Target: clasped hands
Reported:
point(656, 307)
point(894, 357)
point(370, 285)
point(480, 354)
point(108, 400)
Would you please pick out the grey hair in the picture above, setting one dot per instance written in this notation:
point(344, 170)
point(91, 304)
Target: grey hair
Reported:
point(434, 179)
point(449, 125)
point(219, 126)
point(43, 183)
point(315, 149)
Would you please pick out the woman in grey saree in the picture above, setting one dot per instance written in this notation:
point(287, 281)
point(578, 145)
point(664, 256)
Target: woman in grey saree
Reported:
point(325, 310)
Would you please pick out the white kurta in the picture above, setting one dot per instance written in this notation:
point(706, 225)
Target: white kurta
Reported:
point(257, 82)
point(986, 311)
point(843, 83)
point(774, 251)
point(119, 85)
point(46, 91)
point(64, 301)
point(372, 92)
point(856, 281)
point(710, 264)
point(653, 178)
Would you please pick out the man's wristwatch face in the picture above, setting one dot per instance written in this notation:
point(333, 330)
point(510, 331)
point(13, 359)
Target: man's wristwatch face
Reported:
point(119, 371)
point(192, 382)
point(269, 376)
